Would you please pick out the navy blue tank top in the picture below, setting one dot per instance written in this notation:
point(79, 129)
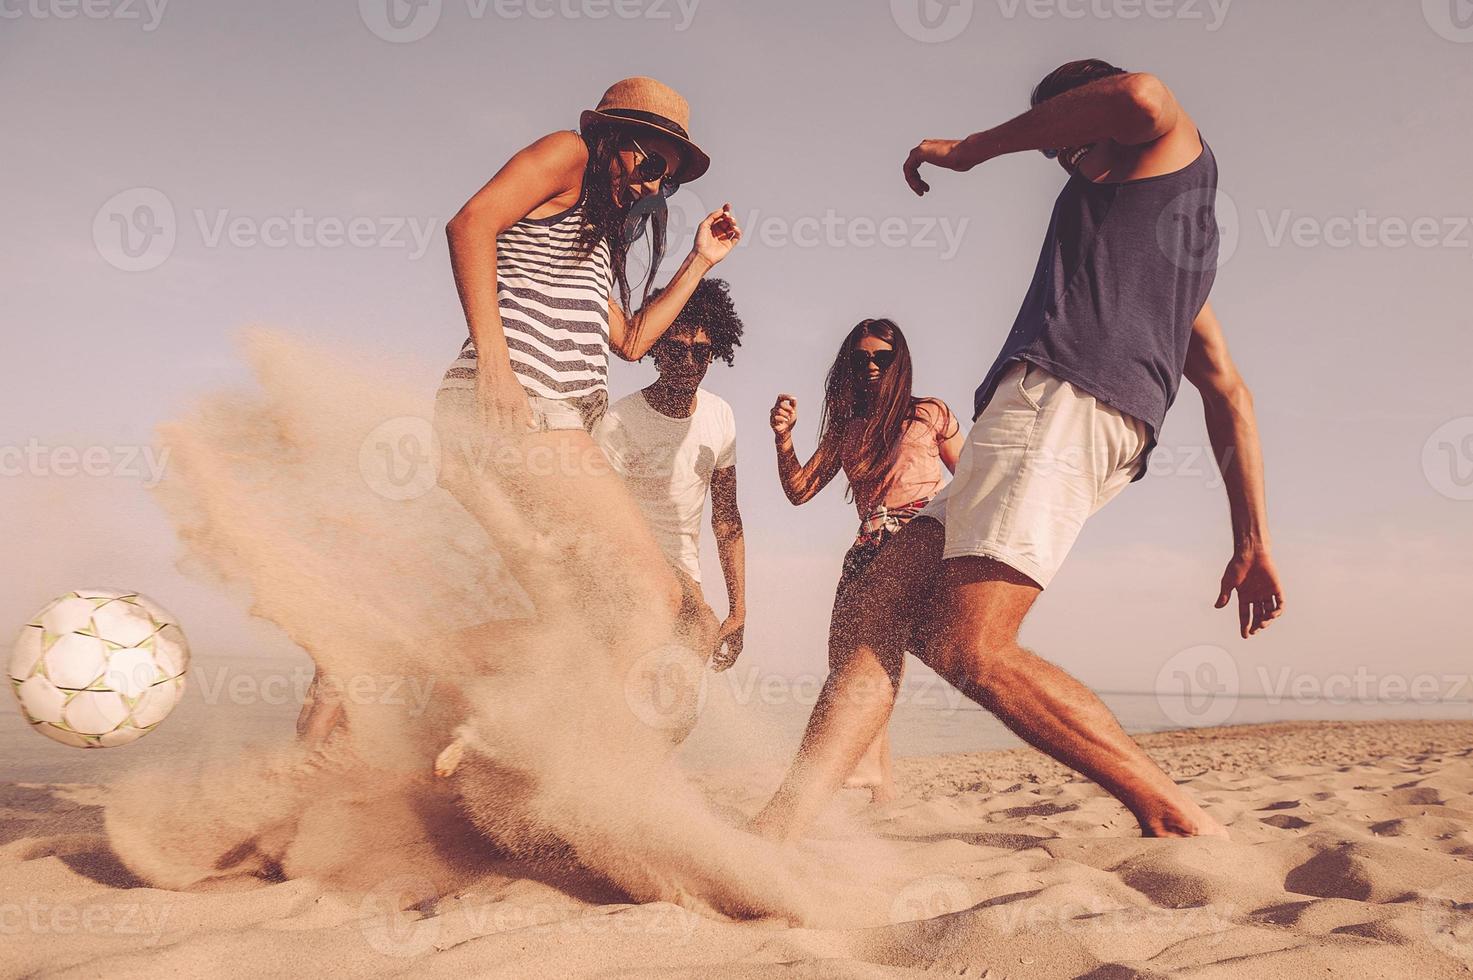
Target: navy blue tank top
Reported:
point(1125, 269)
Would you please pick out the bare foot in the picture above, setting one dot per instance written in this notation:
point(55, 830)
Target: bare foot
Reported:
point(1189, 821)
point(449, 758)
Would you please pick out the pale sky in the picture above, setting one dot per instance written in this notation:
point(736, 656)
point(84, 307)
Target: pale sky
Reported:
point(1340, 126)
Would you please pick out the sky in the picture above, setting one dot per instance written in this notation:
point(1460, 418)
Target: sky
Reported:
point(252, 137)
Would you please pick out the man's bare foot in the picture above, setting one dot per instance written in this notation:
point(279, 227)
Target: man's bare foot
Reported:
point(449, 758)
point(880, 790)
point(1187, 821)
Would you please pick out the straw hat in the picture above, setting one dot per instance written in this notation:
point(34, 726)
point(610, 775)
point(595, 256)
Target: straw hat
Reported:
point(652, 105)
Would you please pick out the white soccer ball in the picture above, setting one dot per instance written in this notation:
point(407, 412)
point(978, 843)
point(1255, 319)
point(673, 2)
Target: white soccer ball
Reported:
point(98, 668)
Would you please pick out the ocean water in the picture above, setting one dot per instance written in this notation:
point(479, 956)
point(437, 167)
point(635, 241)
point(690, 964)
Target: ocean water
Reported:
point(749, 719)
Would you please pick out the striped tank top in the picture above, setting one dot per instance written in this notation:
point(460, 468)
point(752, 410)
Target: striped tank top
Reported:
point(554, 305)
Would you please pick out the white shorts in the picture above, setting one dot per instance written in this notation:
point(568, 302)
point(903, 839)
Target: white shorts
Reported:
point(1041, 458)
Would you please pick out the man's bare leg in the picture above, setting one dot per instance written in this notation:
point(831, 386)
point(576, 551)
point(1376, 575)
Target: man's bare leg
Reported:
point(980, 606)
point(874, 770)
point(974, 645)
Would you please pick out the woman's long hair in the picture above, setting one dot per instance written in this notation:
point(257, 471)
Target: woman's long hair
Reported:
point(604, 220)
point(886, 413)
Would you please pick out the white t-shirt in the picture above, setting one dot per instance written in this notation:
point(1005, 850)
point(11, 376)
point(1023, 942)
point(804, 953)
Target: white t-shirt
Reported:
point(667, 464)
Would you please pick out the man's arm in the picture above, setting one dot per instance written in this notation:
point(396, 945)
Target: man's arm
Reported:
point(1133, 110)
point(726, 522)
point(1233, 430)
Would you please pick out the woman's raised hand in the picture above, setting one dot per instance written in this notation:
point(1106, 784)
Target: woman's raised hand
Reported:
point(717, 235)
point(784, 415)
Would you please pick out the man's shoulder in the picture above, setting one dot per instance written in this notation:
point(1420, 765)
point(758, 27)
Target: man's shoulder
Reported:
point(622, 406)
point(714, 401)
point(717, 408)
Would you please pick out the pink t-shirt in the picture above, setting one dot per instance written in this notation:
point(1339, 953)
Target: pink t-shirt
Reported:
point(917, 472)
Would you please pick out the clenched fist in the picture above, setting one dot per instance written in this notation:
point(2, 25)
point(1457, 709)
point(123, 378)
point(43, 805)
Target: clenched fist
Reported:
point(784, 415)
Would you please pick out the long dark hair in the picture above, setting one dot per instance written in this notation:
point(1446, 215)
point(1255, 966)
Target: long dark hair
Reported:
point(886, 413)
point(604, 220)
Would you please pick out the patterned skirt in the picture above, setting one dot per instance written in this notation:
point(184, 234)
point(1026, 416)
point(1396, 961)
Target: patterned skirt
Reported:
point(875, 531)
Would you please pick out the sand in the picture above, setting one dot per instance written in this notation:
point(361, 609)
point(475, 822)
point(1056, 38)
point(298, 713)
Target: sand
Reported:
point(1350, 857)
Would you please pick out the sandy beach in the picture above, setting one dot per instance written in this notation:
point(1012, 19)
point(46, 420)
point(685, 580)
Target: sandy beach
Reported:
point(1350, 857)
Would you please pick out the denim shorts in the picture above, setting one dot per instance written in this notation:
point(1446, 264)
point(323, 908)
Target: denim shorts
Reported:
point(455, 408)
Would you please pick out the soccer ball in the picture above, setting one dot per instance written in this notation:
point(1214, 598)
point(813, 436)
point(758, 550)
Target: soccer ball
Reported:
point(98, 668)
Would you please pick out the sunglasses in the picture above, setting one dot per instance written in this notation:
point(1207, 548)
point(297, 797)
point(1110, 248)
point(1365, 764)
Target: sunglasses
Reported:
point(881, 359)
point(678, 349)
point(653, 167)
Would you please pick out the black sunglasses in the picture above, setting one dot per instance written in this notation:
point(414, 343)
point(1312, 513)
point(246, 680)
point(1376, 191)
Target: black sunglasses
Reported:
point(700, 353)
point(653, 167)
point(882, 359)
